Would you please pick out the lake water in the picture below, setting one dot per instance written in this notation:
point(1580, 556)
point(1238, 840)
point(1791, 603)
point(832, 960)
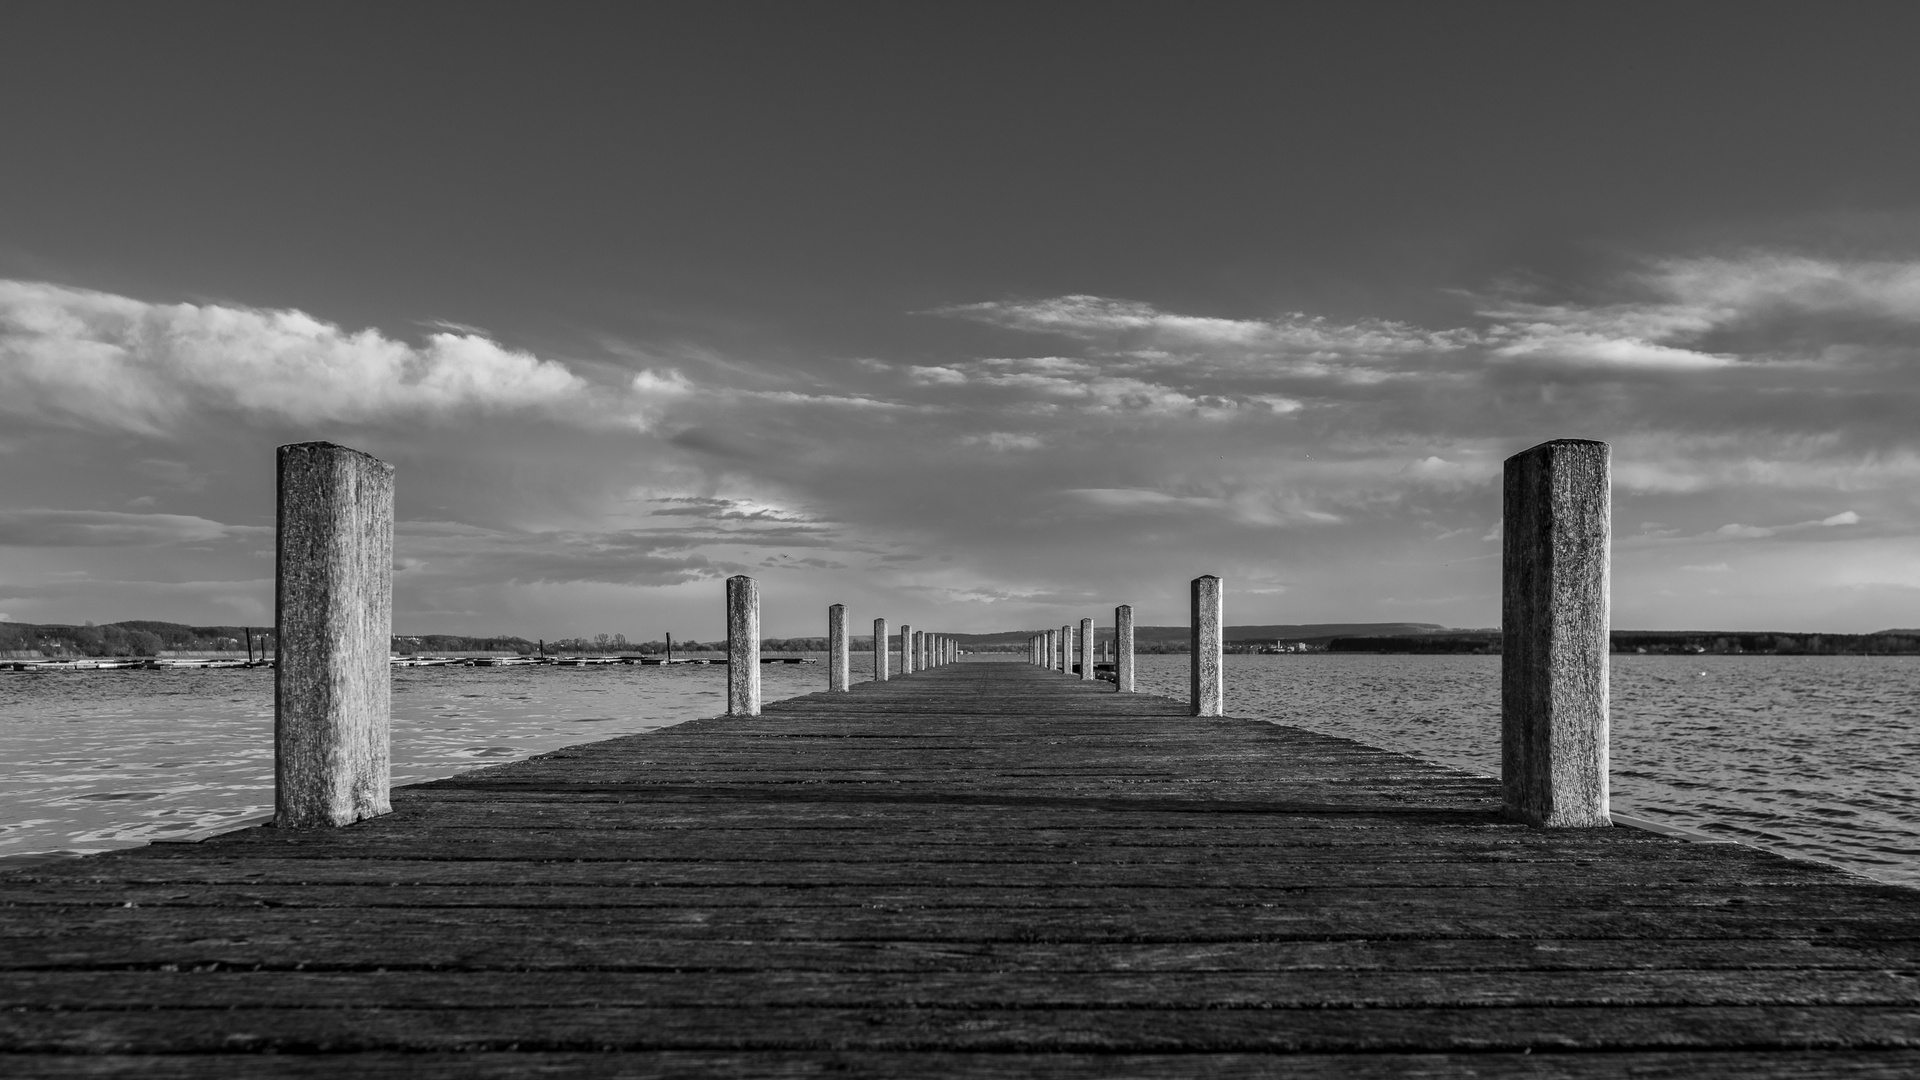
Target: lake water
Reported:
point(1811, 756)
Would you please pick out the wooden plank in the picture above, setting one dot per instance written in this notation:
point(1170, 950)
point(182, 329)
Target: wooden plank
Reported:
point(985, 869)
point(786, 1065)
point(722, 1027)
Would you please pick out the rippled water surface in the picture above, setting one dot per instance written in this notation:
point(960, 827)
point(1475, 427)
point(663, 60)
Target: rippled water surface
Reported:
point(1816, 756)
point(1812, 756)
point(91, 760)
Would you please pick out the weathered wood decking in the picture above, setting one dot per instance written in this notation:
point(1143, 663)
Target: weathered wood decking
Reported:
point(983, 870)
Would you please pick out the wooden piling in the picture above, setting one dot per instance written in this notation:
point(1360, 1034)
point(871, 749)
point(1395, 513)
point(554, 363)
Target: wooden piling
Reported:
point(743, 646)
point(880, 650)
point(1556, 533)
point(1049, 649)
point(837, 660)
point(1123, 649)
point(906, 648)
point(333, 627)
point(1086, 650)
point(1205, 646)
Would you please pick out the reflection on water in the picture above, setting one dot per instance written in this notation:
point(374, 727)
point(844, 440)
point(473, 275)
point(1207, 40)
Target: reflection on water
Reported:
point(103, 759)
point(1816, 756)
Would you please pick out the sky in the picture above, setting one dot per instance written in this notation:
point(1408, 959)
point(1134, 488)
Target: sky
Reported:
point(974, 316)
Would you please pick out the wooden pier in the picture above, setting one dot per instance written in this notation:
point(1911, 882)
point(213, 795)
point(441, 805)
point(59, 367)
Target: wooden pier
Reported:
point(984, 870)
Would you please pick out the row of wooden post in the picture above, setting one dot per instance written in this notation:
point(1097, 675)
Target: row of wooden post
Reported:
point(920, 650)
point(334, 621)
point(1555, 589)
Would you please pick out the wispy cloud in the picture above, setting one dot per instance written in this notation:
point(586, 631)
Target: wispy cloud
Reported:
point(97, 360)
point(104, 528)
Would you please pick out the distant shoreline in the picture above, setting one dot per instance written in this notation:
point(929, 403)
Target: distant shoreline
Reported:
point(25, 641)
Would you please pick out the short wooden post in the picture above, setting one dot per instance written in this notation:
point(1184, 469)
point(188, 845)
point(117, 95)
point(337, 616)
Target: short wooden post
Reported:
point(333, 627)
point(1557, 525)
point(1123, 649)
point(906, 648)
point(1066, 649)
point(880, 650)
point(1086, 650)
point(837, 660)
point(1047, 649)
point(1204, 643)
point(919, 650)
point(743, 646)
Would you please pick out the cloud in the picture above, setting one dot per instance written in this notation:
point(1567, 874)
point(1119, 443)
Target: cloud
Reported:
point(1545, 340)
point(1134, 499)
point(100, 361)
point(103, 528)
point(1004, 441)
point(1758, 532)
point(716, 509)
point(1096, 318)
point(1732, 288)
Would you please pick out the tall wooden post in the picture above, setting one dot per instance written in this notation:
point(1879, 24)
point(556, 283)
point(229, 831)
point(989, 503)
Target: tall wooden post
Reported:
point(837, 660)
point(1086, 650)
point(1557, 525)
point(333, 627)
point(1204, 643)
point(743, 646)
point(880, 650)
point(1048, 649)
point(1065, 659)
point(919, 650)
point(1123, 649)
point(906, 648)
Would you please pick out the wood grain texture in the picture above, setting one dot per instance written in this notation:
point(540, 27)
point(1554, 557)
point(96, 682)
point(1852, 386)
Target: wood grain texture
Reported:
point(987, 870)
point(743, 646)
point(1123, 649)
point(333, 617)
point(881, 651)
point(1207, 682)
point(838, 660)
point(1556, 538)
point(1086, 650)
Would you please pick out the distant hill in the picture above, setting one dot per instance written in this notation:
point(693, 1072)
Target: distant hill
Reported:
point(1668, 642)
